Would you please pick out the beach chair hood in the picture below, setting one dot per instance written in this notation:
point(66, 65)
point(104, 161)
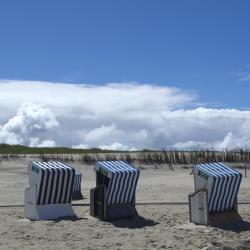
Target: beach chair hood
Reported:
point(123, 180)
point(221, 182)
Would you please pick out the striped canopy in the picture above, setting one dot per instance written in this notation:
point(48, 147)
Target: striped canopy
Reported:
point(77, 182)
point(123, 180)
point(222, 183)
point(54, 181)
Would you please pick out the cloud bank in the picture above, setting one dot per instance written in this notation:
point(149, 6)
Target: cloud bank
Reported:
point(123, 116)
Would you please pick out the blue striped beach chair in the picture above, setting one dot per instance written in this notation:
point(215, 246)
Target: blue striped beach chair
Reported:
point(215, 198)
point(114, 194)
point(49, 193)
point(76, 192)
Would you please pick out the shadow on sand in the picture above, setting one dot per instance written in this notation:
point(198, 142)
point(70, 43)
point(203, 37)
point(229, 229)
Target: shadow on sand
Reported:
point(135, 222)
point(236, 227)
point(69, 218)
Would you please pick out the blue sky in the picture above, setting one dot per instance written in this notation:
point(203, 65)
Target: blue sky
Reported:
point(202, 46)
point(130, 74)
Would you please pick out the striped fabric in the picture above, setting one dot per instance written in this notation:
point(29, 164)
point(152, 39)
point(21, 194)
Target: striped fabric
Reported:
point(54, 181)
point(77, 182)
point(222, 184)
point(123, 180)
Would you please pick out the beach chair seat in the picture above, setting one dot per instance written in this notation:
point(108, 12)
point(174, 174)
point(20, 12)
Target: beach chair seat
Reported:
point(49, 193)
point(114, 194)
point(215, 198)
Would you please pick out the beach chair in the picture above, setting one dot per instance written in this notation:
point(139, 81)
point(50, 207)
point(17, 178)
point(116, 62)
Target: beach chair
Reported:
point(215, 198)
point(114, 194)
point(49, 193)
point(76, 192)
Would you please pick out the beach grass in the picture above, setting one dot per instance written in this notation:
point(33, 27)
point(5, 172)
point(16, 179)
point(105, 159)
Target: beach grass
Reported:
point(89, 156)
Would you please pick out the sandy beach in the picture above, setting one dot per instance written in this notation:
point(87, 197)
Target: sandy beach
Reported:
point(160, 226)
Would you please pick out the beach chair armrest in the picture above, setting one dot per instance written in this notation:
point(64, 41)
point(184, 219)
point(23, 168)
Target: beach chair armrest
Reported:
point(30, 195)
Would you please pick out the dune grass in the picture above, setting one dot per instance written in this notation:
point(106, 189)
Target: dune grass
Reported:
point(89, 156)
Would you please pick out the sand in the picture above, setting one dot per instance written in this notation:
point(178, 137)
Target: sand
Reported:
point(158, 227)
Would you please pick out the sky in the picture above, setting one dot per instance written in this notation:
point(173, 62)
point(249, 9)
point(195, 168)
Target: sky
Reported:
point(125, 74)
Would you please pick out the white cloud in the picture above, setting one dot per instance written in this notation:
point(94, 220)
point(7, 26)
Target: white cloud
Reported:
point(114, 146)
point(35, 142)
point(47, 143)
point(243, 75)
point(100, 133)
point(81, 146)
point(29, 120)
point(116, 116)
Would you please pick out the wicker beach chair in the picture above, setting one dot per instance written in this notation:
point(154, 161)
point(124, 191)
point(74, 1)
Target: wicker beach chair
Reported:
point(215, 198)
point(114, 194)
point(49, 193)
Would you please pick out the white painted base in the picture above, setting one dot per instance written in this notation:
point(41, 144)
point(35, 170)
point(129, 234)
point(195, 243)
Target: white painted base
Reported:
point(198, 210)
point(44, 212)
point(199, 214)
point(48, 212)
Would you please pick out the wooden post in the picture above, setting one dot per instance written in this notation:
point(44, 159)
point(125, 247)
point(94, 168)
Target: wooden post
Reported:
point(245, 170)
